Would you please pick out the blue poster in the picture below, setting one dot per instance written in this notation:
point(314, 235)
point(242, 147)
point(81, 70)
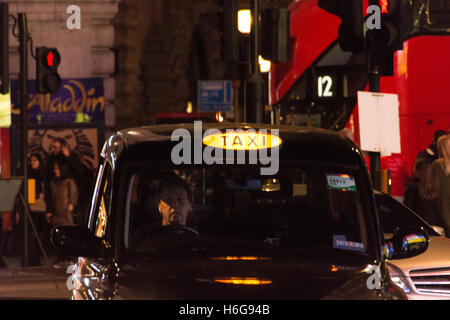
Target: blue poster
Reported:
point(76, 101)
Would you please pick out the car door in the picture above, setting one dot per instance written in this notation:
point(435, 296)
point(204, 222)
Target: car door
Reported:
point(95, 278)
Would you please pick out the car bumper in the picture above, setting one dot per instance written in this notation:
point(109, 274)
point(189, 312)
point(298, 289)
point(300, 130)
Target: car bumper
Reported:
point(423, 296)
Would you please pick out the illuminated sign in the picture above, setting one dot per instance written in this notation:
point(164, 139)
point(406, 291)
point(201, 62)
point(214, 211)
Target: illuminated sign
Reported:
point(5, 110)
point(215, 146)
point(325, 83)
point(242, 140)
point(77, 100)
point(326, 86)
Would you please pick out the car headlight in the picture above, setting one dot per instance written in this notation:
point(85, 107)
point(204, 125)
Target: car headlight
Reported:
point(401, 284)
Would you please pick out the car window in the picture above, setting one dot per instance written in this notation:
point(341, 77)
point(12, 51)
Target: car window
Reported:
point(302, 206)
point(101, 203)
point(393, 215)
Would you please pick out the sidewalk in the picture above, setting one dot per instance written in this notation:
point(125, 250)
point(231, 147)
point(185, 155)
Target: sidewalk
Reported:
point(39, 282)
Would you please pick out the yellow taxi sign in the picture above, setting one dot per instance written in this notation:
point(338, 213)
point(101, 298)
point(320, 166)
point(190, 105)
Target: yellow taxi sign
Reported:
point(240, 140)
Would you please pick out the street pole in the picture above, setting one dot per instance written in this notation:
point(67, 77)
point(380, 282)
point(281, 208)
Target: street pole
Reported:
point(23, 49)
point(254, 84)
point(374, 69)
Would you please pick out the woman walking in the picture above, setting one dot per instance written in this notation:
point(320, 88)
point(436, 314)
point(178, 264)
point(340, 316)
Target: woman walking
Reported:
point(62, 200)
point(441, 178)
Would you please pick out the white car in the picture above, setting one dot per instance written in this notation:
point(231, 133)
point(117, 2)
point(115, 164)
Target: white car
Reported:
point(427, 275)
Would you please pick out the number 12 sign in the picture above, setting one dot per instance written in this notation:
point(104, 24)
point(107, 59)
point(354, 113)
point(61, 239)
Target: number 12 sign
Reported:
point(326, 86)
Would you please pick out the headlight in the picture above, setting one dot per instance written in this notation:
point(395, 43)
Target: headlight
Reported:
point(401, 284)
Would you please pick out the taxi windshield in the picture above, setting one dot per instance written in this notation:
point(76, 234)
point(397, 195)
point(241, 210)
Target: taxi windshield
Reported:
point(301, 206)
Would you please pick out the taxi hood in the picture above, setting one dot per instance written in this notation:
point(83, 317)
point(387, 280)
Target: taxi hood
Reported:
point(217, 275)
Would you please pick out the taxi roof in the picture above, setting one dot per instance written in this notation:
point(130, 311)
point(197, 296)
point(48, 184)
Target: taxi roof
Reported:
point(301, 143)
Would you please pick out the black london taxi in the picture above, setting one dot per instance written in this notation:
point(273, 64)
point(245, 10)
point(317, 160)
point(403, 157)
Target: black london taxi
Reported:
point(232, 211)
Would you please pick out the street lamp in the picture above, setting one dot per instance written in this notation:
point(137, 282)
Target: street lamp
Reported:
point(264, 65)
point(245, 21)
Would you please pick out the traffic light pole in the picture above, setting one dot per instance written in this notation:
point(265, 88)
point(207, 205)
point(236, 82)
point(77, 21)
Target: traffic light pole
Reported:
point(374, 70)
point(254, 84)
point(23, 49)
point(4, 48)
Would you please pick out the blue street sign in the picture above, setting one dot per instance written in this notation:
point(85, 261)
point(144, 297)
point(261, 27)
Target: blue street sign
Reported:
point(214, 95)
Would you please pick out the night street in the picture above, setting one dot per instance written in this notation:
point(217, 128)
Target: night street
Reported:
point(38, 282)
point(224, 150)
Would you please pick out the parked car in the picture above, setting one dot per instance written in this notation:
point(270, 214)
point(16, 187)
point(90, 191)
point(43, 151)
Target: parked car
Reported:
point(258, 212)
point(425, 276)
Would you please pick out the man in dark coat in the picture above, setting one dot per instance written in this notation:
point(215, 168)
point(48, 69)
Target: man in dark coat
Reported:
point(430, 153)
point(60, 153)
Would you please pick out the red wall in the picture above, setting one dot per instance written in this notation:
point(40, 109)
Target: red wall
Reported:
point(423, 74)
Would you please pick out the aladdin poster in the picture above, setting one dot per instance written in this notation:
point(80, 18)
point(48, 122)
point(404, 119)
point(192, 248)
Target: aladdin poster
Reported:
point(76, 101)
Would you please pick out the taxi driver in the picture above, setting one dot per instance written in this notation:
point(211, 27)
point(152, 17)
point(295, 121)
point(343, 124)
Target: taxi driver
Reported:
point(174, 201)
point(174, 204)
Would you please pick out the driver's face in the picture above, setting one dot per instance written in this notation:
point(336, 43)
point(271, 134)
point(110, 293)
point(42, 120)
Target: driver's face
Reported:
point(174, 206)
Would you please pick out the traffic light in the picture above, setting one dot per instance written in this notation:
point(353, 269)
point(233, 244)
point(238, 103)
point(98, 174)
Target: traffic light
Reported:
point(351, 31)
point(275, 34)
point(4, 49)
point(229, 30)
point(47, 62)
point(389, 37)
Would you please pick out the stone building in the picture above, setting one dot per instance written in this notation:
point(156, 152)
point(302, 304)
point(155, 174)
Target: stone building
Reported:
point(163, 48)
point(85, 52)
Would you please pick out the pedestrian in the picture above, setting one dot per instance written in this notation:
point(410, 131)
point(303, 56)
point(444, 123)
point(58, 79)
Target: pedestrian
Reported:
point(430, 153)
point(63, 198)
point(441, 179)
point(78, 169)
point(36, 172)
point(421, 196)
point(38, 208)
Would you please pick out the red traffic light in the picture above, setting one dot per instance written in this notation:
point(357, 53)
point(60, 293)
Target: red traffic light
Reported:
point(50, 58)
point(47, 62)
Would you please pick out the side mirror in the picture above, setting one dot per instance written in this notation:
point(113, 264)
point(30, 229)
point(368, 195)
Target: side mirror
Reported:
point(406, 242)
point(79, 241)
